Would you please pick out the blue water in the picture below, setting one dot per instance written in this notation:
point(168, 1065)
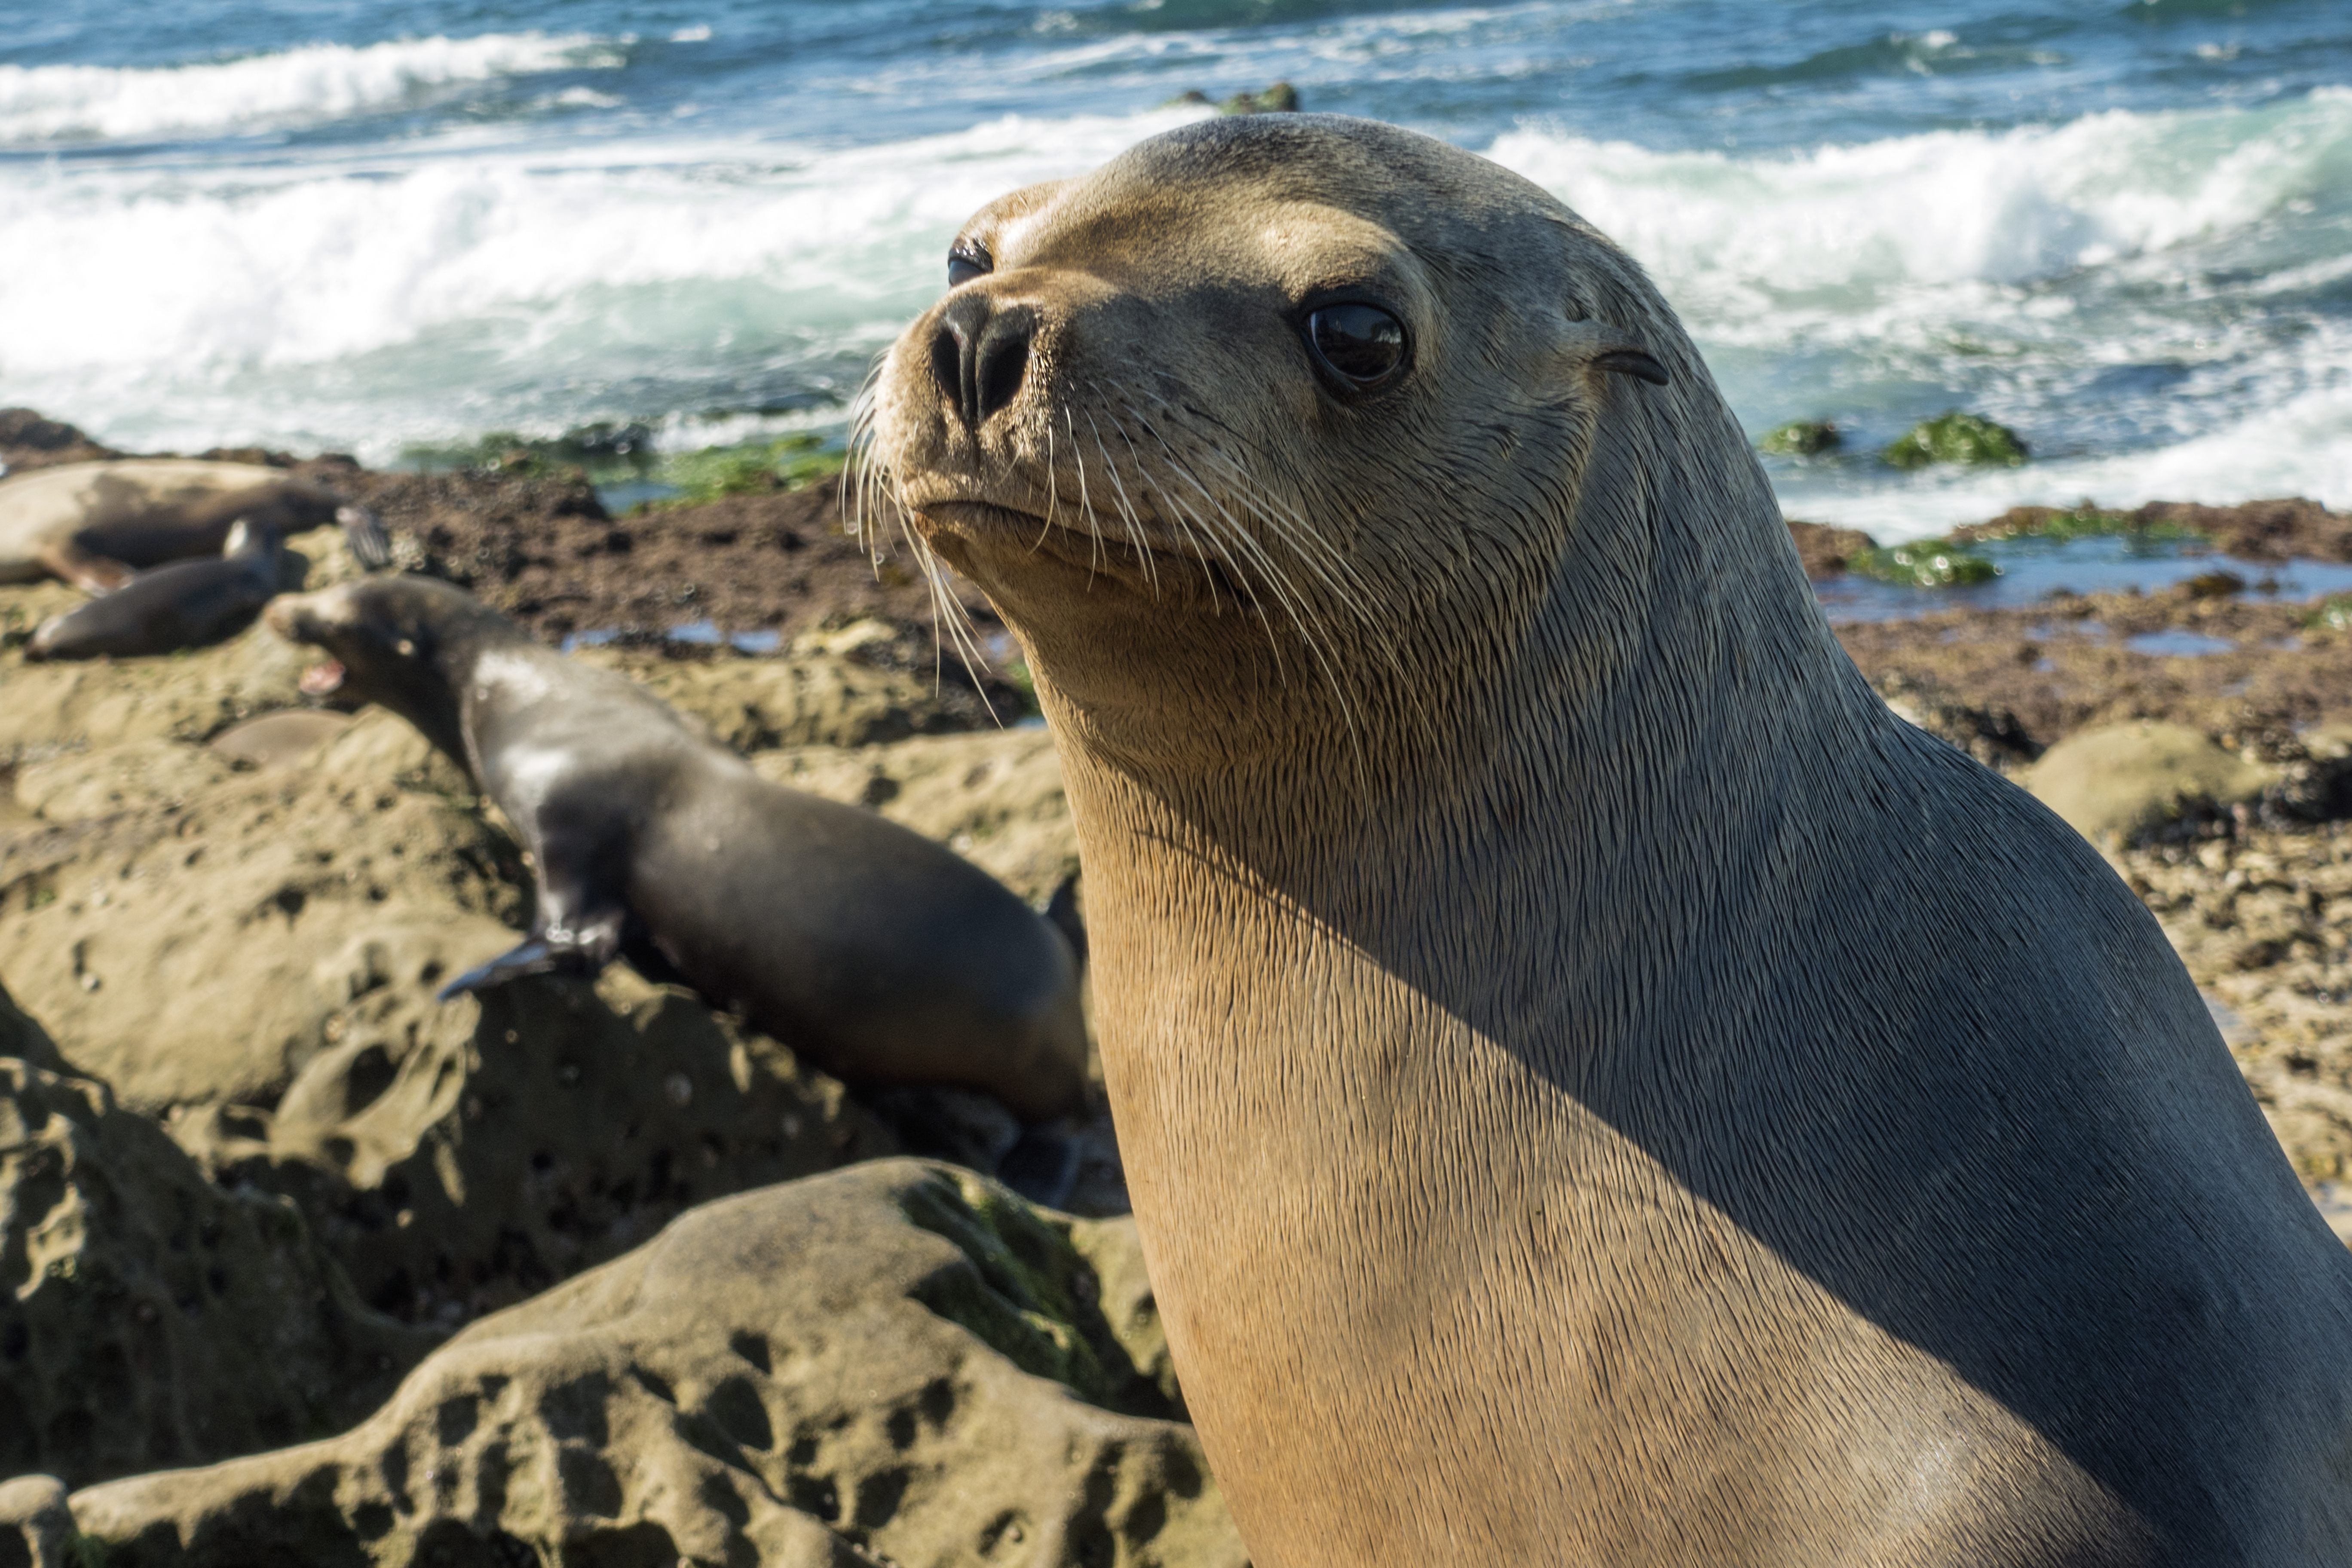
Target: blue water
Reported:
point(2032, 569)
point(2125, 229)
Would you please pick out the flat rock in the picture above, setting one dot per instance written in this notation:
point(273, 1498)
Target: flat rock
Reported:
point(218, 913)
point(276, 740)
point(150, 1317)
point(994, 796)
point(36, 1524)
point(754, 704)
point(2119, 783)
point(898, 1362)
point(136, 776)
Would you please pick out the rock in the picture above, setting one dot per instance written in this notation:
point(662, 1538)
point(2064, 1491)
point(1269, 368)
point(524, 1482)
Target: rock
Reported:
point(1992, 735)
point(1922, 564)
point(1280, 98)
point(151, 1319)
point(756, 704)
point(218, 914)
point(895, 1363)
point(507, 1144)
point(36, 1525)
point(1955, 437)
point(2118, 783)
point(1825, 550)
point(380, 747)
point(1801, 438)
point(28, 441)
point(279, 740)
point(994, 796)
point(24, 1040)
point(103, 702)
point(136, 776)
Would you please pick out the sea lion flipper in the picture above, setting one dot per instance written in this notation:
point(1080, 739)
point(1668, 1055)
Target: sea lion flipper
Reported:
point(76, 563)
point(366, 537)
point(1061, 913)
point(584, 952)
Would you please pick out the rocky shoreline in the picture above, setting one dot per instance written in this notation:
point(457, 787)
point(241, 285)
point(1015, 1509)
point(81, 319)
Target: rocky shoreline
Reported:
point(306, 1265)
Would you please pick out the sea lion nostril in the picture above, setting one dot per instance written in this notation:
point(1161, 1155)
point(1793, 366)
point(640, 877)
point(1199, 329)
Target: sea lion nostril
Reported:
point(980, 356)
point(1003, 361)
point(947, 356)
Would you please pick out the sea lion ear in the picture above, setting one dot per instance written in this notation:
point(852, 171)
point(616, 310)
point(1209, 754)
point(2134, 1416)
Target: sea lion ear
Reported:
point(1602, 347)
point(1632, 362)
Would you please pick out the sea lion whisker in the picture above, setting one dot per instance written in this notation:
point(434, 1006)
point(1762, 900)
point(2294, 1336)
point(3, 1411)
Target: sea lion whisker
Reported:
point(1318, 553)
point(1286, 593)
point(1085, 501)
point(1129, 517)
point(1127, 514)
point(1184, 525)
point(1349, 588)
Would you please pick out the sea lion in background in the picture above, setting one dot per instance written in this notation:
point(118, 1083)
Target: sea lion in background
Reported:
point(1596, 1088)
point(187, 603)
point(878, 954)
point(94, 525)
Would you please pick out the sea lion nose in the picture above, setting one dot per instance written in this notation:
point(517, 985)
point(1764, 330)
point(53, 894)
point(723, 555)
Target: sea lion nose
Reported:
point(981, 354)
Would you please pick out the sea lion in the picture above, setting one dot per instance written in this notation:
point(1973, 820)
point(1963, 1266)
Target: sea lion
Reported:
point(186, 603)
point(878, 954)
point(94, 525)
point(1596, 1088)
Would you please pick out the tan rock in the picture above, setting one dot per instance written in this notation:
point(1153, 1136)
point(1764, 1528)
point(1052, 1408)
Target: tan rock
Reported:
point(2118, 782)
point(137, 775)
point(754, 704)
point(894, 1363)
point(279, 740)
point(36, 1526)
point(218, 914)
point(994, 796)
point(151, 1318)
point(508, 1143)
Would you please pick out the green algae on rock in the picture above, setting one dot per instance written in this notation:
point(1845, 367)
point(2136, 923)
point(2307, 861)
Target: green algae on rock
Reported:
point(1955, 437)
point(764, 1381)
point(1922, 564)
point(1801, 438)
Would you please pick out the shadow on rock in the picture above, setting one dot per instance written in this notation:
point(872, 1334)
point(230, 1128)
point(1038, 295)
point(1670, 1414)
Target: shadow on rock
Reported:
point(148, 1318)
point(899, 1362)
point(457, 1172)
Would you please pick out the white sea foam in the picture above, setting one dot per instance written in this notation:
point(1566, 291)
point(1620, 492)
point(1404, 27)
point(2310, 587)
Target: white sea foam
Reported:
point(427, 293)
point(314, 82)
point(1949, 206)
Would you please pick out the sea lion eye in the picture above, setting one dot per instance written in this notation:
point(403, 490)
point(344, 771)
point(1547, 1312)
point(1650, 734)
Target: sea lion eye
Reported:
point(1361, 345)
point(966, 262)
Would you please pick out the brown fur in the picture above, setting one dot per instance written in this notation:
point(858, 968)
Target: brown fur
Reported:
point(94, 525)
point(1596, 1088)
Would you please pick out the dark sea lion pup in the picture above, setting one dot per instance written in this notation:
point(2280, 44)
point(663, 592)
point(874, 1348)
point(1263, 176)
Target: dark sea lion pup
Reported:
point(94, 525)
point(1597, 1088)
point(187, 603)
point(883, 957)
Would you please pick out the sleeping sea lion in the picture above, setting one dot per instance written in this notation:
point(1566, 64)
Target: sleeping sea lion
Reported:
point(883, 957)
point(1596, 1087)
point(186, 603)
point(93, 524)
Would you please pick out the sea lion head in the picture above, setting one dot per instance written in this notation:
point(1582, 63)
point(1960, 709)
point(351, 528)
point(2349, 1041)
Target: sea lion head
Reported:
point(402, 641)
point(1273, 421)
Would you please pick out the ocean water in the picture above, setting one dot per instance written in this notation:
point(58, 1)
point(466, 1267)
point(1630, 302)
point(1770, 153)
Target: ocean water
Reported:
point(2122, 227)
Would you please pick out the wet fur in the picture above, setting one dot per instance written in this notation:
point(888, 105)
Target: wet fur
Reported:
point(1595, 1086)
point(94, 525)
point(184, 603)
point(881, 956)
